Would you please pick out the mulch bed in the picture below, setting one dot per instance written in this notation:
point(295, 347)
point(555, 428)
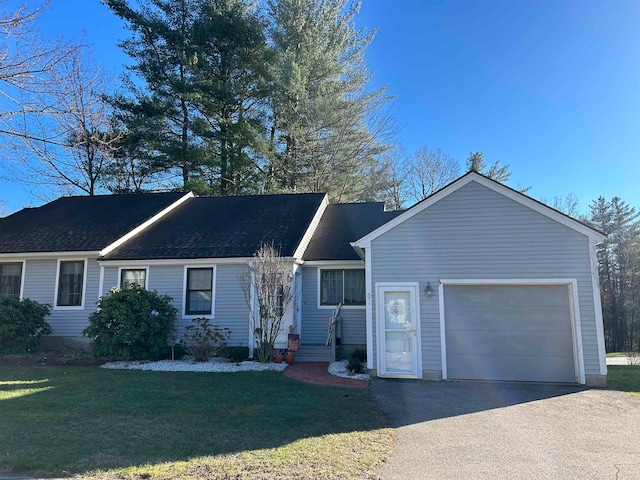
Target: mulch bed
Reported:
point(53, 358)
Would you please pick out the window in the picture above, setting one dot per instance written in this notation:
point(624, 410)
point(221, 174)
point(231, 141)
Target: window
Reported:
point(342, 286)
point(137, 276)
point(10, 278)
point(70, 280)
point(199, 291)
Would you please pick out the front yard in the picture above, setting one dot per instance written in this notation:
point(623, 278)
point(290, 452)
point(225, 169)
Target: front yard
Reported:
point(625, 378)
point(106, 424)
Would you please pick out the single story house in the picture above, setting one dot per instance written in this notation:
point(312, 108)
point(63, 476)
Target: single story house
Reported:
point(478, 281)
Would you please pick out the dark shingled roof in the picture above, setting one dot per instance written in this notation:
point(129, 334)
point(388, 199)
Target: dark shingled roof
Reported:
point(225, 227)
point(343, 223)
point(79, 223)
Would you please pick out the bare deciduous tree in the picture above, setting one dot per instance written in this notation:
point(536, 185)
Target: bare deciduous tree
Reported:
point(268, 290)
point(568, 204)
point(71, 146)
point(428, 171)
point(28, 64)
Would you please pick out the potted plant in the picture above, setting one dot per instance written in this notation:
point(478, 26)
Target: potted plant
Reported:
point(279, 357)
point(289, 358)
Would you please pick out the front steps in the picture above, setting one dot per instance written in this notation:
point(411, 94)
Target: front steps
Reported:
point(315, 353)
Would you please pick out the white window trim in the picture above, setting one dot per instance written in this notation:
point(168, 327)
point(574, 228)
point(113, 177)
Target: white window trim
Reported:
point(340, 267)
point(84, 284)
point(213, 292)
point(141, 267)
point(22, 272)
point(574, 307)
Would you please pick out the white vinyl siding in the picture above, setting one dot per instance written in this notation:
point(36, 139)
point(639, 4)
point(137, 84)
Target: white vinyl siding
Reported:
point(477, 233)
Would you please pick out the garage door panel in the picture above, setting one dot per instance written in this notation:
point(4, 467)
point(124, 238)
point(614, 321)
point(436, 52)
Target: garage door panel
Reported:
point(508, 318)
point(509, 332)
point(517, 295)
point(505, 343)
point(472, 367)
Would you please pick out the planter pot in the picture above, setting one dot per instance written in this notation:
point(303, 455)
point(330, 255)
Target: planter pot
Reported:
point(289, 358)
point(279, 358)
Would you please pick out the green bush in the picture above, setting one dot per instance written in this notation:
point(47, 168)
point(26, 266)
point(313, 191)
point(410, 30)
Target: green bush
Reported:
point(356, 361)
point(203, 340)
point(134, 324)
point(236, 354)
point(22, 324)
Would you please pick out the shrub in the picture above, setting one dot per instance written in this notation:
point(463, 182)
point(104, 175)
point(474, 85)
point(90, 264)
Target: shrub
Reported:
point(356, 361)
point(22, 324)
point(203, 340)
point(236, 354)
point(133, 324)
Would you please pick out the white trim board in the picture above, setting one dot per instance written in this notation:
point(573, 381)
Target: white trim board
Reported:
point(212, 315)
point(311, 229)
point(414, 289)
point(180, 261)
point(597, 306)
point(145, 225)
point(518, 197)
point(133, 267)
point(23, 269)
point(57, 285)
point(339, 266)
point(48, 255)
point(574, 306)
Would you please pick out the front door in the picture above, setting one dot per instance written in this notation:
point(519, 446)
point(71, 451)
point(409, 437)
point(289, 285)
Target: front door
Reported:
point(398, 326)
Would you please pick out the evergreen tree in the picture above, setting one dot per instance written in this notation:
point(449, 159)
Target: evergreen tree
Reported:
point(327, 127)
point(231, 71)
point(497, 172)
point(160, 84)
point(619, 270)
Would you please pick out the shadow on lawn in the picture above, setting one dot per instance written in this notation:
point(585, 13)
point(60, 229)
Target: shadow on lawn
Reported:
point(409, 401)
point(73, 420)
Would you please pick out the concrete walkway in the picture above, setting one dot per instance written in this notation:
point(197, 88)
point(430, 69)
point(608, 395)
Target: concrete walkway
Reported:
point(317, 373)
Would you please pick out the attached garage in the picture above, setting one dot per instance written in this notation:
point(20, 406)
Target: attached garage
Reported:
point(499, 286)
point(509, 331)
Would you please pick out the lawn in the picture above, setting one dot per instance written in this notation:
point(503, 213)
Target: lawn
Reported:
point(132, 424)
point(625, 378)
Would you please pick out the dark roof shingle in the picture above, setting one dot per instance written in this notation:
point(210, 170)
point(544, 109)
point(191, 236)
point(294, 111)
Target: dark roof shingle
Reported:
point(343, 223)
point(225, 227)
point(79, 223)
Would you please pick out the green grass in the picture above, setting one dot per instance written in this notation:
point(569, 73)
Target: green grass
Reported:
point(617, 354)
point(117, 423)
point(625, 378)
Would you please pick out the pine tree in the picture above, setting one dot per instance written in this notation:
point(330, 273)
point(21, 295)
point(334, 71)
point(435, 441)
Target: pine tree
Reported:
point(327, 126)
point(231, 72)
point(160, 99)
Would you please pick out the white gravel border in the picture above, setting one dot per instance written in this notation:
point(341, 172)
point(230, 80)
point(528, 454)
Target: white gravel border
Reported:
point(339, 369)
point(213, 365)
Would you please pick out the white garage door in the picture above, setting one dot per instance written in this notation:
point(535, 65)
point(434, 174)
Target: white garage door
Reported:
point(509, 332)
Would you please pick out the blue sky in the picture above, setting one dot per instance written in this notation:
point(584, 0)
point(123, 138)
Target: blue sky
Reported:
point(551, 88)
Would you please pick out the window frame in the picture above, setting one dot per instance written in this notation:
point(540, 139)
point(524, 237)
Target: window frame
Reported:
point(123, 269)
point(342, 268)
point(23, 267)
point(185, 291)
point(56, 306)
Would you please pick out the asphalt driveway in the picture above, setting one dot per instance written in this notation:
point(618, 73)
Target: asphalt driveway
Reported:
point(483, 430)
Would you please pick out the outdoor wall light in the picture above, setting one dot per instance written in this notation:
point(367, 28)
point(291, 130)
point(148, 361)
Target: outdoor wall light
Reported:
point(428, 290)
